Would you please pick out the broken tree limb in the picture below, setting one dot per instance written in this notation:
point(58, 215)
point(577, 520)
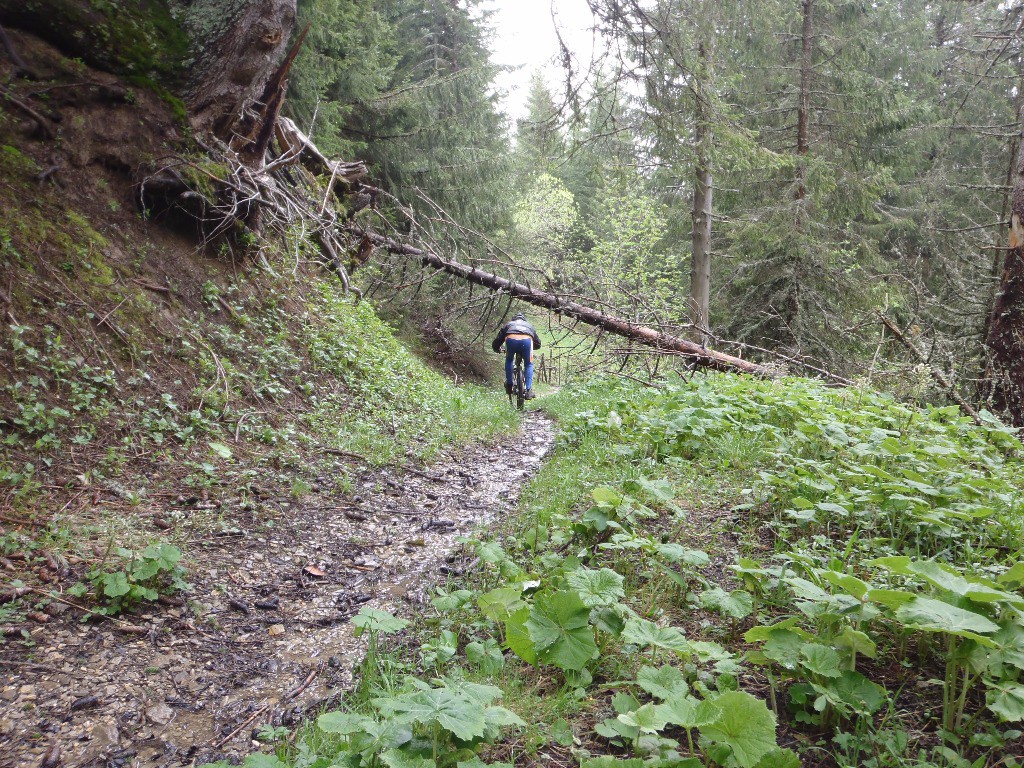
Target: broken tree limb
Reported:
point(703, 357)
point(936, 374)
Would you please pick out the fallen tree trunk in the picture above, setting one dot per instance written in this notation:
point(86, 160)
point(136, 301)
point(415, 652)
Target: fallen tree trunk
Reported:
point(706, 358)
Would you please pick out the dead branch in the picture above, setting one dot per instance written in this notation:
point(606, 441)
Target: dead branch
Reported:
point(936, 374)
point(42, 122)
point(561, 306)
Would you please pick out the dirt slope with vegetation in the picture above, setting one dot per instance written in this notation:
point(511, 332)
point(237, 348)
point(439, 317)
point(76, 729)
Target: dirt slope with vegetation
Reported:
point(181, 426)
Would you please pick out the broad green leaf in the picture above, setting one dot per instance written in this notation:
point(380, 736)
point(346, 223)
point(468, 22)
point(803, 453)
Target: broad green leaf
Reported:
point(491, 552)
point(115, 584)
point(737, 604)
point(221, 450)
point(856, 692)
point(499, 604)
point(561, 733)
point(648, 718)
point(937, 616)
point(559, 626)
point(342, 722)
point(478, 693)
point(1007, 701)
point(746, 726)
point(1010, 642)
point(597, 518)
point(476, 762)
point(486, 655)
point(1014, 576)
point(623, 702)
point(677, 553)
point(762, 632)
point(451, 709)
point(596, 588)
point(820, 660)
point(374, 620)
point(661, 490)
point(779, 758)
point(849, 584)
point(805, 589)
point(890, 598)
point(646, 633)
point(613, 728)
point(857, 642)
point(399, 758)
point(499, 716)
point(451, 601)
point(608, 761)
point(606, 497)
point(783, 646)
point(517, 636)
point(689, 712)
point(379, 736)
point(166, 555)
point(262, 761)
point(608, 619)
point(836, 509)
point(664, 683)
point(897, 564)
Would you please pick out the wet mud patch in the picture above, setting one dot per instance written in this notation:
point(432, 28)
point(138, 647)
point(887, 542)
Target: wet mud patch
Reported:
point(265, 635)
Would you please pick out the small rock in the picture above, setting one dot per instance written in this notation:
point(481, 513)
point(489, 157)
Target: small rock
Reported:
point(84, 702)
point(276, 629)
point(160, 714)
point(52, 758)
point(104, 735)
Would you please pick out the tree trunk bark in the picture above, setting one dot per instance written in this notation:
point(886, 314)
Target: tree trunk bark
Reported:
point(1005, 379)
point(700, 258)
point(791, 312)
point(562, 306)
point(803, 113)
point(238, 45)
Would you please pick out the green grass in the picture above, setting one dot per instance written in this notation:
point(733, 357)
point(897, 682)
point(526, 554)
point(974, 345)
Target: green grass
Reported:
point(639, 512)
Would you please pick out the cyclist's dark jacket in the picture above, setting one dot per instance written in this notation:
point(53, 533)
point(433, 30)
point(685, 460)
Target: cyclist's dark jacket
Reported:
point(515, 326)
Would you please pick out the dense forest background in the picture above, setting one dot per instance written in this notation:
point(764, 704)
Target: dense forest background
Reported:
point(252, 256)
point(768, 174)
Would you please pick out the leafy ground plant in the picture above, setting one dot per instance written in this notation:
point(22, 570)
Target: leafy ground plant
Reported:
point(126, 578)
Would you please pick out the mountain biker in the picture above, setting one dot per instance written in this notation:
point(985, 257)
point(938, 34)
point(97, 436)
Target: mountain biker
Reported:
point(518, 336)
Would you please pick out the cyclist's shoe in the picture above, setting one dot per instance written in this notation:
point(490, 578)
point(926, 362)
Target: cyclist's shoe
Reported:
point(529, 394)
point(508, 388)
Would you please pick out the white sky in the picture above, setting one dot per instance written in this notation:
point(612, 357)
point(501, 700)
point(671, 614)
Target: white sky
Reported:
point(524, 37)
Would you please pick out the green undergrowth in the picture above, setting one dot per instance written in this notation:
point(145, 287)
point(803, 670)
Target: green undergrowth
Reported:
point(227, 393)
point(393, 405)
point(726, 572)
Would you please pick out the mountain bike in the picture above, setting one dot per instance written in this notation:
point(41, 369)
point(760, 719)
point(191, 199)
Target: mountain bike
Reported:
point(518, 382)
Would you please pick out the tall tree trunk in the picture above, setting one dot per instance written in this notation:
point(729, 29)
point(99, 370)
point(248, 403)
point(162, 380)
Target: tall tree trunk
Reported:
point(791, 312)
point(1005, 341)
point(803, 113)
point(997, 254)
point(700, 259)
point(238, 44)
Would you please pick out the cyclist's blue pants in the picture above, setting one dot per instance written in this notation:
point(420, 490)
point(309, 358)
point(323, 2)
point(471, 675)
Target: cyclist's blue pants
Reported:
point(525, 348)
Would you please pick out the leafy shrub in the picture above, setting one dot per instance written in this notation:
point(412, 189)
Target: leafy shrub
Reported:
point(121, 582)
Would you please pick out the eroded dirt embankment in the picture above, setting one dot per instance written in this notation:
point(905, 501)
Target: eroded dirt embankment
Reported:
point(265, 635)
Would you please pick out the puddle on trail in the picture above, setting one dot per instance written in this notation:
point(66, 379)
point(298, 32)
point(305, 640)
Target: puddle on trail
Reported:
point(276, 639)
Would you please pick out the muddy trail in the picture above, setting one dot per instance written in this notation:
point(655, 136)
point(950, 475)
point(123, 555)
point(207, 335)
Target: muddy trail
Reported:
point(265, 635)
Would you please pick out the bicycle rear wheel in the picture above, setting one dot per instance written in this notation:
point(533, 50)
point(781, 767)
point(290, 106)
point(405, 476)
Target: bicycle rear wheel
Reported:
point(519, 385)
